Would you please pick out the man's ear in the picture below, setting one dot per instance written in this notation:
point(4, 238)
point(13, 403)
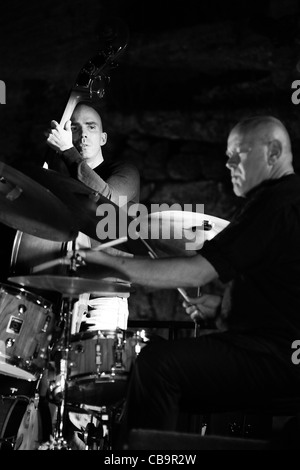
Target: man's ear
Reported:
point(274, 151)
point(103, 138)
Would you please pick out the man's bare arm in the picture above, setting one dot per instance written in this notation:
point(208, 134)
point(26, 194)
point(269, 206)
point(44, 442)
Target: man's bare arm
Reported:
point(160, 273)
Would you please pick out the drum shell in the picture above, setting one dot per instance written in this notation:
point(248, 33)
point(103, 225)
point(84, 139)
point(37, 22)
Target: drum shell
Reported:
point(26, 325)
point(99, 380)
point(28, 252)
point(102, 352)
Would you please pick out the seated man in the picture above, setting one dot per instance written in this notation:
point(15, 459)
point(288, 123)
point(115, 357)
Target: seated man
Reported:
point(248, 356)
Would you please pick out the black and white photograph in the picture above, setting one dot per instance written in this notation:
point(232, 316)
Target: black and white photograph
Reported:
point(150, 228)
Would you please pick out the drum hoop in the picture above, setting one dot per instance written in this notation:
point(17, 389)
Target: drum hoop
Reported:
point(15, 251)
point(90, 335)
point(104, 377)
point(26, 365)
point(8, 416)
point(36, 299)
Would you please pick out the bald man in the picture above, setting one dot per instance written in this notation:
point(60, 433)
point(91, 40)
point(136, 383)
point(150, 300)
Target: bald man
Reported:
point(258, 149)
point(246, 358)
point(79, 146)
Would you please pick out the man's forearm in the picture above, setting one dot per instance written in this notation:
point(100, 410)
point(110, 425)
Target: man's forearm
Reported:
point(160, 273)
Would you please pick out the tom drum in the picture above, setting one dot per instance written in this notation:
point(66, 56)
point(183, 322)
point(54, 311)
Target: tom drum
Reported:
point(26, 326)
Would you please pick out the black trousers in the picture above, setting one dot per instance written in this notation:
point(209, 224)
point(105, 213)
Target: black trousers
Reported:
point(204, 374)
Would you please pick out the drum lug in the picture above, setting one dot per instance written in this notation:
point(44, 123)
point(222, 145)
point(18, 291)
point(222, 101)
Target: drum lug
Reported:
point(47, 323)
point(22, 309)
point(9, 342)
point(98, 357)
point(118, 353)
point(42, 353)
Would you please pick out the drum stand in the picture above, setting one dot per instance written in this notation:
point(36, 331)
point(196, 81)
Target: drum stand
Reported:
point(94, 438)
point(67, 306)
point(67, 312)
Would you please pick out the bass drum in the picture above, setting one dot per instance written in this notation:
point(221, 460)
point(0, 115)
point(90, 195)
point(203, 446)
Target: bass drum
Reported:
point(12, 387)
point(21, 424)
point(12, 411)
point(29, 251)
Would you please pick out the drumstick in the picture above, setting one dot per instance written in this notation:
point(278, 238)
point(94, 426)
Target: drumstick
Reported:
point(50, 264)
point(153, 255)
point(103, 246)
point(181, 291)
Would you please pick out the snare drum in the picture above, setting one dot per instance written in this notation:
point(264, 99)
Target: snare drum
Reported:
point(100, 364)
point(26, 326)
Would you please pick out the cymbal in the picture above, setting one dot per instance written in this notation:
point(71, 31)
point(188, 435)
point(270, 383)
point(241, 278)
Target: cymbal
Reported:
point(27, 206)
point(180, 232)
point(83, 202)
point(71, 285)
point(94, 271)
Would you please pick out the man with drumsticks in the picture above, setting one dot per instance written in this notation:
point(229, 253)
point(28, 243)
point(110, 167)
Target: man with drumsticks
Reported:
point(248, 357)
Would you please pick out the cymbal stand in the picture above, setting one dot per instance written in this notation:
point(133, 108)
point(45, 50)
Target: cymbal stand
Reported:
point(67, 311)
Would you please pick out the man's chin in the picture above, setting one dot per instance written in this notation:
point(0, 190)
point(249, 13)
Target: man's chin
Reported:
point(238, 191)
point(85, 155)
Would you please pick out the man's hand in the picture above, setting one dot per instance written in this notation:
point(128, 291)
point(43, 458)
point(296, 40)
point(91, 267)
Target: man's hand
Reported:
point(89, 256)
point(60, 138)
point(204, 307)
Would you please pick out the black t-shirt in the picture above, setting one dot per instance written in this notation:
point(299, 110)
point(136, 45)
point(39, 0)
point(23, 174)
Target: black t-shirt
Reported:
point(258, 255)
point(112, 179)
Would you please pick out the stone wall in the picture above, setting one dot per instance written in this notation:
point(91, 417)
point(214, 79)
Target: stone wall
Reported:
point(189, 72)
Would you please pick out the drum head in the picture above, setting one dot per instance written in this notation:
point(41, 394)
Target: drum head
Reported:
point(106, 390)
point(11, 414)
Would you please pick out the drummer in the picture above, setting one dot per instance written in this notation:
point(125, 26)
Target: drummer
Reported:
point(78, 145)
point(247, 359)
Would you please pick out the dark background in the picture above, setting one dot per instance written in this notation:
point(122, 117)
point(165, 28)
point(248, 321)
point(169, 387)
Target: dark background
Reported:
point(189, 72)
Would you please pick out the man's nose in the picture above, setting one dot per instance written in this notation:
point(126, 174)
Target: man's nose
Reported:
point(233, 161)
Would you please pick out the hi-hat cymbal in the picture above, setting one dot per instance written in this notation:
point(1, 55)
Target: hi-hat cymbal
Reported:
point(27, 206)
point(73, 286)
point(84, 270)
point(84, 203)
point(180, 232)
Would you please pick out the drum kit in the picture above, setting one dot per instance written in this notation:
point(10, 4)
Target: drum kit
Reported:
point(88, 370)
